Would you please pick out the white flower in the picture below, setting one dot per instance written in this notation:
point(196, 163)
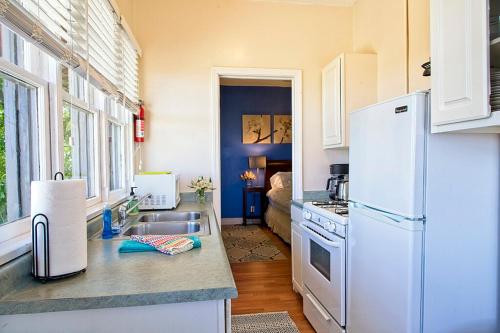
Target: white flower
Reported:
point(201, 184)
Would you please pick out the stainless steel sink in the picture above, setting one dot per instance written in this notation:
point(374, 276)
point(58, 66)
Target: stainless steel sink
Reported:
point(170, 216)
point(164, 228)
point(190, 223)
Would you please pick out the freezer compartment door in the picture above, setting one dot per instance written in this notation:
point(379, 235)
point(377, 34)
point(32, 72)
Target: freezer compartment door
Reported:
point(386, 155)
point(384, 273)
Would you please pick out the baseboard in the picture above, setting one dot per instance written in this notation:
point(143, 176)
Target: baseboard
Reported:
point(238, 221)
point(231, 221)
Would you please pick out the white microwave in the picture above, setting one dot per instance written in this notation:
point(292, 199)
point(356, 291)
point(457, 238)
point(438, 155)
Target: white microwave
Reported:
point(164, 188)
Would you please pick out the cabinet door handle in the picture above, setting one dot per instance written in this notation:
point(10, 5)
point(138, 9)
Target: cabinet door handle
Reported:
point(318, 307)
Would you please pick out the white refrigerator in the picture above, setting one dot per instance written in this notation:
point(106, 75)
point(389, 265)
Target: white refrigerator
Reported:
point(424, 221)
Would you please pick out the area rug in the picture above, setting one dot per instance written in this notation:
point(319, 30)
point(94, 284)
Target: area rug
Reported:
point(249, 243)
point(270, 322)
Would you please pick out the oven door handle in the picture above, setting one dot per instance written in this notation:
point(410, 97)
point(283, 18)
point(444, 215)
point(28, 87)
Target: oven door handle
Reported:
point(318, 307)
point(306, 226)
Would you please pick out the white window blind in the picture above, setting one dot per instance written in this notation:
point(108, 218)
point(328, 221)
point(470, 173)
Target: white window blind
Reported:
point(64, 19)
point(129, 69)
point(55, 16)
point(82, 33)
point(103, 39)
point(79, 26)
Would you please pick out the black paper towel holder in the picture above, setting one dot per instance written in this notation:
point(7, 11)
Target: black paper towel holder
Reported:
point(43, 221)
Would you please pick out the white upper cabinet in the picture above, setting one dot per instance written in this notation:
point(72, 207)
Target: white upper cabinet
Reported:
point(460, 53)
point(349, 83)
point(333, 131)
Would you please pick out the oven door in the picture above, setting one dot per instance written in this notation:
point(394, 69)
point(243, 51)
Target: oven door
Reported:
point(324, 268)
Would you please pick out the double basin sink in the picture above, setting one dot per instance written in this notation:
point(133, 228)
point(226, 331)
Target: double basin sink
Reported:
point(168, 223)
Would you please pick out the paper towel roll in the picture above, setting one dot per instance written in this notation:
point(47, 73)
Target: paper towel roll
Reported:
point(63, 202)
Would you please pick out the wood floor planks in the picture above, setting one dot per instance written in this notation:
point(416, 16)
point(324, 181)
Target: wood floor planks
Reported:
point(267, 287)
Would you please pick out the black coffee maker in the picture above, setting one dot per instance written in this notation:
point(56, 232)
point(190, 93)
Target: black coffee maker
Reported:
point(339, 176)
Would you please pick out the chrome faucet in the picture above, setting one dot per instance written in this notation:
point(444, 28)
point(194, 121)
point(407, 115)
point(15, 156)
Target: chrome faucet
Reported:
point(123, 211)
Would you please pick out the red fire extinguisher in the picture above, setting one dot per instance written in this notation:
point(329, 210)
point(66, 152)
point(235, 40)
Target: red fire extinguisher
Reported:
point(139, 124)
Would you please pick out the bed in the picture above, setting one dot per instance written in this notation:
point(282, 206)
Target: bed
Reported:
point(278, 188)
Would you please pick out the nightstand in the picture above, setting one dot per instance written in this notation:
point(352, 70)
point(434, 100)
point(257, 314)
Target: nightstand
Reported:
point(262, 197)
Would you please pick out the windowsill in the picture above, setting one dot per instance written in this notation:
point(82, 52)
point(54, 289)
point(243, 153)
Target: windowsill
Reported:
point(96, 209)
point(17, 246)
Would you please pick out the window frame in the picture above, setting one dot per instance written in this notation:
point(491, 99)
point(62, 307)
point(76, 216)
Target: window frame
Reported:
point(120, 193)
point(60, 98)
point(96, 105)
point(66, 98)
point(15, 237)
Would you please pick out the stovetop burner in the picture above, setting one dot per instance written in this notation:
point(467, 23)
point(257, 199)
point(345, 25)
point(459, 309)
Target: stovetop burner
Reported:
point(338, 207)
point(330, 204)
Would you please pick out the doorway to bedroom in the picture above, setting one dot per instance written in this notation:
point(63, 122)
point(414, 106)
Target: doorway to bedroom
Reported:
point(256, 154)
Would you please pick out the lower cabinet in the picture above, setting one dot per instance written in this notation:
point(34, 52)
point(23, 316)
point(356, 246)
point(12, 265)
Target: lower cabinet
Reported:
point(201, 317)
point(297, 250)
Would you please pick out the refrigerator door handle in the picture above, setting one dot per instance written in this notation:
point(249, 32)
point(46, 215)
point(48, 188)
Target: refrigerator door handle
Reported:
point(399, 221)
point(393, 217)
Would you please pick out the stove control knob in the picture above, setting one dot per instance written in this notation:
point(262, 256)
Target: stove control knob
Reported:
point(306, 215)
point(331, 227)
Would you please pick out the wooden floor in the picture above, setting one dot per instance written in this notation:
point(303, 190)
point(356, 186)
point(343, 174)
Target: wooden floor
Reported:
point(267, 287)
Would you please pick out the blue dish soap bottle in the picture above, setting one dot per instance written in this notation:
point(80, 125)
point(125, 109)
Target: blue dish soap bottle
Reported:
point(107, 217)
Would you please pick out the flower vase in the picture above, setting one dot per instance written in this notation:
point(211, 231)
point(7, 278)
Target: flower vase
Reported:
point(201, 196)
point(249, 183)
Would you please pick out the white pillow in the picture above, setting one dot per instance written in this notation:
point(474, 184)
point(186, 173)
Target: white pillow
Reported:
point(281, 180)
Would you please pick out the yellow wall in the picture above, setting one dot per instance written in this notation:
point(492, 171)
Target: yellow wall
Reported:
point(380, 27)
point(420, 44)
point(182, 40)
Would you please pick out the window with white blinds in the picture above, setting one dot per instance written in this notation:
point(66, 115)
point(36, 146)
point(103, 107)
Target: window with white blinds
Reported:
point(90, 30)
point(61, 119)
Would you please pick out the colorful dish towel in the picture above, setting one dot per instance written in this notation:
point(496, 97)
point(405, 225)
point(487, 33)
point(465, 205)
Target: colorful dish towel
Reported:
point(169, 244)
point(130, 246)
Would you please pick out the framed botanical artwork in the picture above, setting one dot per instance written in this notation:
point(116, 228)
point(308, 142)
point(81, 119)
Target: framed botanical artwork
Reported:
point(256, 129)
point(282, 129)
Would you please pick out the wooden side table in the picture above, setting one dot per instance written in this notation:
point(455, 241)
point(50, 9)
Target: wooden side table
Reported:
point(262, 196)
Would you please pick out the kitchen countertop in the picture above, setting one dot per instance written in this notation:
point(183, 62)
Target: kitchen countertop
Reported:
point(117, 279)
point(311, 196)
point(300, 202)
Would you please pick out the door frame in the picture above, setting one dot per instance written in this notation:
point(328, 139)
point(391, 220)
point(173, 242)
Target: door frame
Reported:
point(293, 75)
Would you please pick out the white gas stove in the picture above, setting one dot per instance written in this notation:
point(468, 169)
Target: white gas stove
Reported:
point(324, 260)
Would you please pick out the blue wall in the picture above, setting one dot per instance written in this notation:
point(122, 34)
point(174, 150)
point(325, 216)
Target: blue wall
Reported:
point(235, 102)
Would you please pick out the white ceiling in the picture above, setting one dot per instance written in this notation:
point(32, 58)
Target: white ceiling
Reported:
point(316, 2)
